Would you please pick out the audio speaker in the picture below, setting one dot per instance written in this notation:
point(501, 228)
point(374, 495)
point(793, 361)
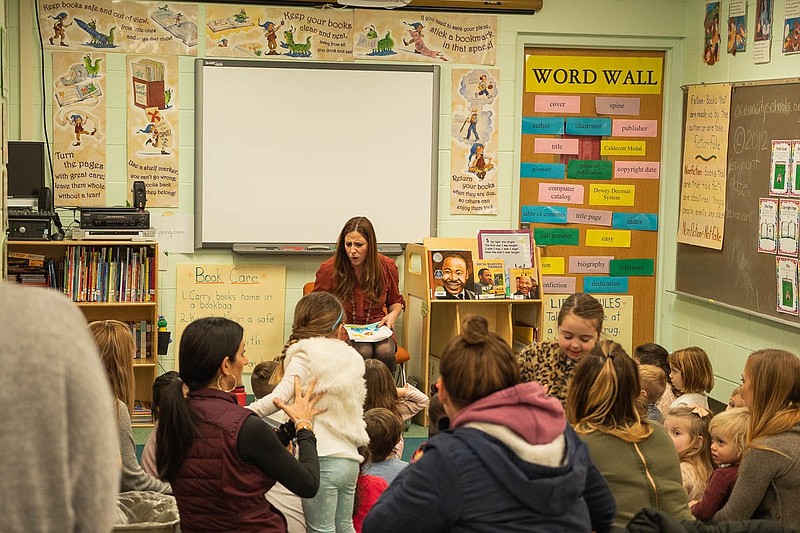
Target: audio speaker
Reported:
point(139, 195)
point(45, 200)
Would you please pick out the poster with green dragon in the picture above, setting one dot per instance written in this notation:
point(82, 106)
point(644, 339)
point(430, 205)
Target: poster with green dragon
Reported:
point(79, 129)
point(279, 32)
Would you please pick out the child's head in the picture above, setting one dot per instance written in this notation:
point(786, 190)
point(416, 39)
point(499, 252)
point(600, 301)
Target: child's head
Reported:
point(728, 431)
point(653, 382)
point(580, 322)
point(115, 343)
point(737, 400)
point(381, 390)
point(260, 378)
point(159, 384)
point(690, 370)
point(384, 429)
point(652, 354)
point(687, 426)
point(435, 412)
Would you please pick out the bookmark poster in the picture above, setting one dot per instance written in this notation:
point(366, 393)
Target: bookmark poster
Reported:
point(474, 142)
point(79, 129)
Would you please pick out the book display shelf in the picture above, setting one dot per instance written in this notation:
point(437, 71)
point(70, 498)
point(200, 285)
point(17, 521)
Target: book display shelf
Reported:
point(431, 322)
point(107, 280)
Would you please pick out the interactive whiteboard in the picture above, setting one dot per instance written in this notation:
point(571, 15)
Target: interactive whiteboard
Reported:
point(286, 152)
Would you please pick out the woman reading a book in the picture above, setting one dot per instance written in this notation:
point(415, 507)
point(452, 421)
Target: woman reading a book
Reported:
point(367, 284)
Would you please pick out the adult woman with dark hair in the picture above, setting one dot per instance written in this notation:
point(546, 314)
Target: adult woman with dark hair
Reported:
point(367, 284)
point(580, 322)
point(220, 457)
point(769, 473)
point(116, 346)
point(635, 455)
point(509, 461)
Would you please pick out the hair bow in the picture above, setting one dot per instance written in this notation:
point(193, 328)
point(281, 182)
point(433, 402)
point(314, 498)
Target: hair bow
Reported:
point(701, 411)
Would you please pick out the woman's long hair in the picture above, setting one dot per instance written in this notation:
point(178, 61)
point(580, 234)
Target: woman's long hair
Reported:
point(344, 277)
point(317, 314)
point(205, 344)
point(602, 394)
point(115, 343)
point(775, 393)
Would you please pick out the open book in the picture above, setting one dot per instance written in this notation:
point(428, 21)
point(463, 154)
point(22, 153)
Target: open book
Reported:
point(368, 332)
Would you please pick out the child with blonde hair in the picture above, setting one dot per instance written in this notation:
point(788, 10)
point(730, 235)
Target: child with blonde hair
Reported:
point(687, 426)
point(736, 400)
point(728, 431)
point(654, 382)
point(691, 375)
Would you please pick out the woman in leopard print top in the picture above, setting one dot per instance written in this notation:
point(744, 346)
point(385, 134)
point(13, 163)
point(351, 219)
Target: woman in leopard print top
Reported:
point(551, 364)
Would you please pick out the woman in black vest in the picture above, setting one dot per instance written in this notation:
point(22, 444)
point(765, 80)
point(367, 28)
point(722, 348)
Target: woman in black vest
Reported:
point(219, 457)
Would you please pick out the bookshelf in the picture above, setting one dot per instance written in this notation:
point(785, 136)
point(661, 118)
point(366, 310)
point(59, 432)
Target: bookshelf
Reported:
point(429, 324)
point(106, 280)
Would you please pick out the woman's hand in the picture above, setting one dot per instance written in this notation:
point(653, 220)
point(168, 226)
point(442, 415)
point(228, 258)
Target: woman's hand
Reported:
point(391, 316)
point(303, 407)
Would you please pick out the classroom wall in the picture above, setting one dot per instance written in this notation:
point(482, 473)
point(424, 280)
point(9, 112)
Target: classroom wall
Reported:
point(728, 336)
point(631, 24)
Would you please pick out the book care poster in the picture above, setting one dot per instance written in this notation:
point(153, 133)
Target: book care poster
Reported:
point(152, 132)
point(701, 219)
point(474, 141)
point(79, 129)
point(252, 295)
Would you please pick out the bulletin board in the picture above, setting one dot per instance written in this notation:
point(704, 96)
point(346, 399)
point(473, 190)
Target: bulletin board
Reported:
point(595, 211)
point(252, 295)
point(739, 276)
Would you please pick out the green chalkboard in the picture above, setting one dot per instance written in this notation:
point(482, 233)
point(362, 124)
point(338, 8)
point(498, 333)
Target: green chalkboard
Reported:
point(738, 275)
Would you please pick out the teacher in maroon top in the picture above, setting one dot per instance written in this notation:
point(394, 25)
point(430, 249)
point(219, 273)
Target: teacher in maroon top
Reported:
point(367, 284)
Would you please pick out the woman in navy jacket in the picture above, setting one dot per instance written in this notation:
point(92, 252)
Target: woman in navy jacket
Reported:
point(508, 462)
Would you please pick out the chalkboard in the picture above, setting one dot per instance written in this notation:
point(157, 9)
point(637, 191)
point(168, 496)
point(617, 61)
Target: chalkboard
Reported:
point(738, 275)
point(287, 152)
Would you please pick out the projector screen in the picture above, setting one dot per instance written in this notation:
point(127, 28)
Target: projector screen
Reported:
point(287, 152)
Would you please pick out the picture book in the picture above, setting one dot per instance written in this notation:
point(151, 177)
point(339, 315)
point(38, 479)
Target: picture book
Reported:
point(523, 284)
point(490, 278)
point(451, 274)
point(367, 332)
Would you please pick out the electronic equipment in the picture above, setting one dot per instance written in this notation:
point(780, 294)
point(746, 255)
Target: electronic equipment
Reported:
point(112, 218)
point(139, 195)
point(29, 228)
point(25, 170)
point(108, 234)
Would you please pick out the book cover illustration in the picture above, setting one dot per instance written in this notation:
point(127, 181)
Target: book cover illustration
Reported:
point(367, 332)
point(779, 183)
point(786, 270)
point(451, 274)
point(490, 278)
point(523, 284)
point(177, 24)
point(237, 20)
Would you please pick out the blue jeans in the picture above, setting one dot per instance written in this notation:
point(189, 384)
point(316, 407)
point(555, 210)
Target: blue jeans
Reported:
point(331, 510)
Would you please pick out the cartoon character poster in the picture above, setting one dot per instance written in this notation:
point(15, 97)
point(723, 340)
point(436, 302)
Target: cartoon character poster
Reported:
point(279, 32)
point(152, 131)
point(737, 26)
point(79, 129)
point(711, 34)
point(425, 37)
point(474, 141)
point(791, 27)
point(120, 26)
point(763, 31)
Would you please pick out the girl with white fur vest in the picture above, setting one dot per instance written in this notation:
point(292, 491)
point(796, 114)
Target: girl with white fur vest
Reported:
point(314, 353)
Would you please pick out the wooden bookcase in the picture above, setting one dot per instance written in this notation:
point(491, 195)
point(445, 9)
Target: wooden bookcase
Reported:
point(145, 365)
point(429, 324)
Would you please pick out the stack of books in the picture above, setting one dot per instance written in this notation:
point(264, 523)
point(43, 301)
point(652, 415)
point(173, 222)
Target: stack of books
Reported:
point(142, 414)
point(31, 269)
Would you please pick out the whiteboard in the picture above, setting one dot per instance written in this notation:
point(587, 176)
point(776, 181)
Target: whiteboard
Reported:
point(288, 152)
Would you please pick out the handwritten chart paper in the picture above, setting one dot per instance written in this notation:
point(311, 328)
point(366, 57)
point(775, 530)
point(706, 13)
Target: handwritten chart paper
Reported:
point(701, 219)
point(617, 323)
point(252, 295)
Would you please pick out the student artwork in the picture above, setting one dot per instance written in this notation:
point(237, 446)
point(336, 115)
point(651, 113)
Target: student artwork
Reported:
point(786, 269)
point(779, 183)
point(767, 225)
point(490, 278)
point(737, 26)
point(451, 274)
point(523, 284)
point(791, 27)
point(763, 31)
point(788, 218)
point(711, 37)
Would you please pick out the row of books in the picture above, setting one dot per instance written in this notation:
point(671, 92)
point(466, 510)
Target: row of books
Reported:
point(32, 269)
point(142, 332)
point(141, 413)
point(110, 274)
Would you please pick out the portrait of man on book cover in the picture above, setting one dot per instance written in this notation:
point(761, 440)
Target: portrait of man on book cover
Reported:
point(451, 272)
